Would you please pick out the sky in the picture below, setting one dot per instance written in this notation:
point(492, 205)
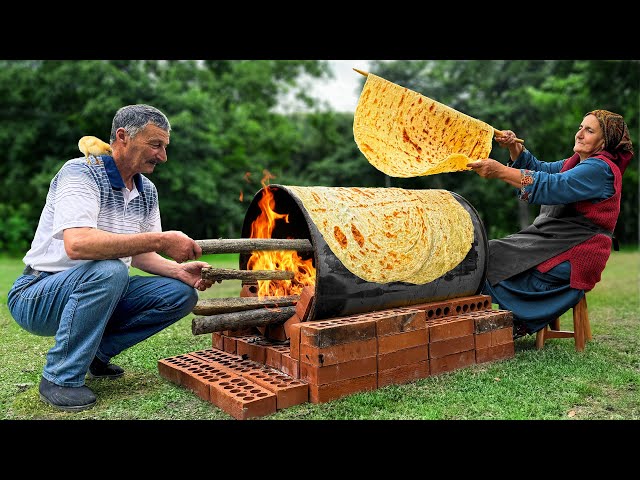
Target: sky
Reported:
point(343, 91)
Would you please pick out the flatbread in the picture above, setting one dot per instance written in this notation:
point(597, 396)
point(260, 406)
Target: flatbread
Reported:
point(387, 235)
point(404, 134)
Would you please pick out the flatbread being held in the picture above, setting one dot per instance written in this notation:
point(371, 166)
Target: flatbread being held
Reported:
point(404, 134)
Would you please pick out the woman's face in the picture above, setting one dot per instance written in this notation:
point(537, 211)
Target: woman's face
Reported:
point(589, 137)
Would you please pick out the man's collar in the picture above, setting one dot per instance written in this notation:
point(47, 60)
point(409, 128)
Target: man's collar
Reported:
point(114, 174)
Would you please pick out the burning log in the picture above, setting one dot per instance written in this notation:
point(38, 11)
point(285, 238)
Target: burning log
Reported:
point(213, 306)
point(249, 245)
point(238, 320)
point(217, 274)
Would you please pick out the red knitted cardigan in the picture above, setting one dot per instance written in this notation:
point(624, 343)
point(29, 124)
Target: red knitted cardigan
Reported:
point(589, 258)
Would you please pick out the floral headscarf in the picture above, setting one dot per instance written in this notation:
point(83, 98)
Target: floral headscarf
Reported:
point(616, 137)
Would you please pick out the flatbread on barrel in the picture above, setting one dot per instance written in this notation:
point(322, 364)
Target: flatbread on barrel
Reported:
point(405, 134)
point(387, 235)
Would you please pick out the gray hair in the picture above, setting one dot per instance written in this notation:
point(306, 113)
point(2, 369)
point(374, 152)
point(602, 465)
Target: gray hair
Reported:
point(133, 118)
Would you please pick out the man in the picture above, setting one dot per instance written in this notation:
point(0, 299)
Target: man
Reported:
point(101, 216)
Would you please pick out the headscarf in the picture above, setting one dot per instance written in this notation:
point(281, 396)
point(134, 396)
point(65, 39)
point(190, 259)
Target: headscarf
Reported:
point(616, 137)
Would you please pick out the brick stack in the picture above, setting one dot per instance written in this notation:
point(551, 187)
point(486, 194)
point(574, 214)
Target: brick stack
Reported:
point(249, 375)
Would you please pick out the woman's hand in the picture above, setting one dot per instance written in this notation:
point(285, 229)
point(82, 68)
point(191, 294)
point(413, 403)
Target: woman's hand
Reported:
point(507, 139)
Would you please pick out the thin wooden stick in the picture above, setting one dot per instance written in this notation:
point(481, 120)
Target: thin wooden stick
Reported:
point(217, 274)
point(495, 130)
point(248, 245)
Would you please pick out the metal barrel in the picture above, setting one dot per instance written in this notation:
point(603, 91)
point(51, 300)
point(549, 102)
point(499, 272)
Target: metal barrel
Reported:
point(338, 292)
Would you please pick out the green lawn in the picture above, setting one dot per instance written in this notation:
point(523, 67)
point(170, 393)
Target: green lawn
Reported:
point(556, 383)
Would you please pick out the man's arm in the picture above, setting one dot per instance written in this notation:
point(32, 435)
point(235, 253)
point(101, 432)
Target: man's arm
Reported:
point(84, 243)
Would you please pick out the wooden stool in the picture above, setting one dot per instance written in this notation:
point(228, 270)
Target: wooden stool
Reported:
point(581, 327)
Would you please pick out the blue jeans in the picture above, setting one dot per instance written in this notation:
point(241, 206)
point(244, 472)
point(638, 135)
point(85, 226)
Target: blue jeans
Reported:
point(95, 309)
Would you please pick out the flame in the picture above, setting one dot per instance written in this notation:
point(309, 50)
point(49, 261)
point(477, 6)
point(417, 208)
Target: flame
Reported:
point(262, 227)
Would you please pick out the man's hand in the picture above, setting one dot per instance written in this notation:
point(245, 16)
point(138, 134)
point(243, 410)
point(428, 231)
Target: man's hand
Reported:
point(180, 247)
point(192, 272)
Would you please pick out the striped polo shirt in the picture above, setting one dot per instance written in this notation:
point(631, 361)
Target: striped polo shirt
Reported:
point(89, 192)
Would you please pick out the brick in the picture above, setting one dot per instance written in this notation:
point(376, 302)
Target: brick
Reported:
point(243, 399)
point(274, 355)
point(455, 306)
point(393, 321)
point(451, 346)
point(289, 391)
point(496, 352)
point(229, 344)
point(287, 325)
point(247, 347)
point(217, 340)
point(275, 332)
point(403, 374)
point(405, 356)
point(289, 366)
point(450, 327)
point(294, 341)
point(304, 304)
point(483, 340)
point(340, 371)
point(501, 336)
point(492, 320)
point(342, 388)
point(338, 353)
point(401, 341)
point(452, 362)
point(327, 333)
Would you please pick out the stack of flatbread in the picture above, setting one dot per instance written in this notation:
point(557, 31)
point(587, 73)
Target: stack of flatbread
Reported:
point(390, 234)
point(405, 134)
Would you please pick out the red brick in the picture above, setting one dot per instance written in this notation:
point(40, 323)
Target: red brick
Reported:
point(340, 371)
point(243, 399)
point(275, 332)
point(449, 327)
point(229, 344)
point(492, 320)
point(338, 353)
point(401, 341)
point(501, 336)
point(451, 346)
point(496, 352)
point(294, 341)
point(217, 340)
point(289, 391)
point(287, 325)
point(483, 340)
point(394, 321)
point(455, 306)
point(303, 306)
point(274, 355)
point(327, 333)
point(403, 357)
point(452, 362)
point(289, 366)
point(403, 374)
point(342, 388)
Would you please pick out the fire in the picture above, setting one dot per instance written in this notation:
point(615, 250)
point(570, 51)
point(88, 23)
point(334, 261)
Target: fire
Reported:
point(262, 227)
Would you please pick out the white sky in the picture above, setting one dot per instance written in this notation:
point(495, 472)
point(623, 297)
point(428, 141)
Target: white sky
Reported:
point(342, 92)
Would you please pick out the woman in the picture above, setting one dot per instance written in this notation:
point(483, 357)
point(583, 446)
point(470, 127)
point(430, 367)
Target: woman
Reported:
point(542, 271)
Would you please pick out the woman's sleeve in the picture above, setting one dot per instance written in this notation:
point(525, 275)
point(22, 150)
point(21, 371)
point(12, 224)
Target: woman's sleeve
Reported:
point(591, 179)
point(528, 161)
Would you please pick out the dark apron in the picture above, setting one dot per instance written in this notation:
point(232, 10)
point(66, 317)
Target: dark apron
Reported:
point(555, 230)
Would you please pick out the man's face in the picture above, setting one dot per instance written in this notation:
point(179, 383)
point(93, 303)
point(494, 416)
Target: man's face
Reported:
point(147, 149)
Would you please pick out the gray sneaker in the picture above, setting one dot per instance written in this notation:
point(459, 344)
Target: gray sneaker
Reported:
point(69, 399)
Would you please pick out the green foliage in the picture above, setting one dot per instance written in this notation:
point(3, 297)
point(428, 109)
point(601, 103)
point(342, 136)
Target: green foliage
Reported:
point(227, 137)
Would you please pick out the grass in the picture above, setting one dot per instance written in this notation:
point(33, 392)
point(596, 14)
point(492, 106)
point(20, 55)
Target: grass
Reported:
point(555, 383)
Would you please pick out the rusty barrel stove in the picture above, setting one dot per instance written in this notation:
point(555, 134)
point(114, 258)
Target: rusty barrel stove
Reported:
point(338, 292)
